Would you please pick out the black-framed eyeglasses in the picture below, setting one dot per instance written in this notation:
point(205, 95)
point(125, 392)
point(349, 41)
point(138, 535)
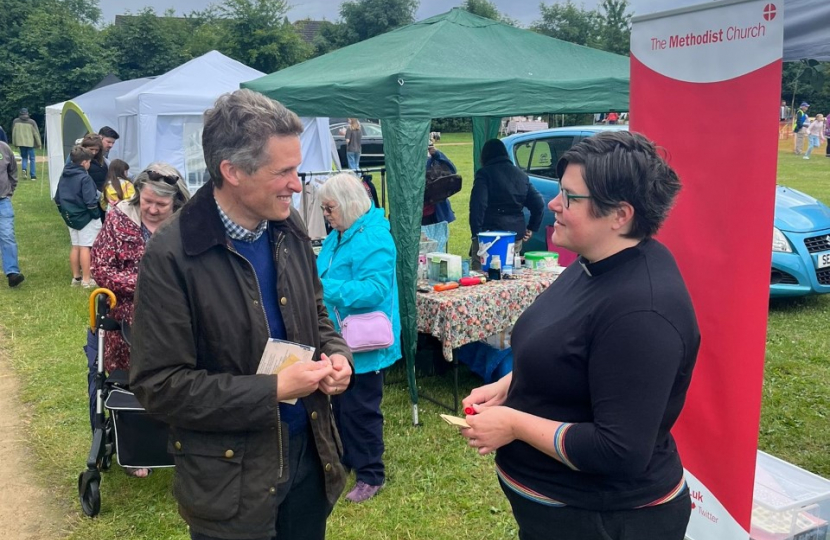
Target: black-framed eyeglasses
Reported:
point(567, 195)
point(158, 177)
point(328, 209)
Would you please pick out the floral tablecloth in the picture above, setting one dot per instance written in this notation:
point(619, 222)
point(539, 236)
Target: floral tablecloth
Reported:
point(468, 314)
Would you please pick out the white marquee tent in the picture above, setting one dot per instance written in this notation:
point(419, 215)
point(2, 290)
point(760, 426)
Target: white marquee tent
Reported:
point(160, 119)
point(70, 120)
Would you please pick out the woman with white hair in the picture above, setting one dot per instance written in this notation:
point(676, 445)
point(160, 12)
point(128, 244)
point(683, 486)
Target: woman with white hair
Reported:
point(357, 269)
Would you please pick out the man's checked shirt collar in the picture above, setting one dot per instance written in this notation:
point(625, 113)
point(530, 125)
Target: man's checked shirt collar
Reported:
point(237, 232)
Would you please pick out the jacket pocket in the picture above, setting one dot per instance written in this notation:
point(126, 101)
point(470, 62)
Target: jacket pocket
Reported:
point(208, 481)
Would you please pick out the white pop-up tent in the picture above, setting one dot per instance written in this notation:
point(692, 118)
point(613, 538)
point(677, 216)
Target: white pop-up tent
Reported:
point(162, 119)
point(70, 120)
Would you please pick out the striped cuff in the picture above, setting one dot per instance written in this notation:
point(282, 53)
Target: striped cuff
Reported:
point(559, 444)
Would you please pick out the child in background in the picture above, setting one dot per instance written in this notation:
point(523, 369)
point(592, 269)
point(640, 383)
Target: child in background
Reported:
point(78, 204)
point(815, 134)
point(118, 186)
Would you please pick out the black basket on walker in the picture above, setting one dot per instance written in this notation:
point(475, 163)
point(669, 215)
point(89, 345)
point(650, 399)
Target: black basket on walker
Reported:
point(140, 439)
point(120, 425)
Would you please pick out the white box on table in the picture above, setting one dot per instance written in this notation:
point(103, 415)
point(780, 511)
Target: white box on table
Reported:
point(443, 267)
point(789, 503)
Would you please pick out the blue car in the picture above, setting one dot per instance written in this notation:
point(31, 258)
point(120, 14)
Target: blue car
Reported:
point(801, 233)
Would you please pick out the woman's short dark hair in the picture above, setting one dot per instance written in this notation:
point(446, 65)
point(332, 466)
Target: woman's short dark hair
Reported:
point(621, 166)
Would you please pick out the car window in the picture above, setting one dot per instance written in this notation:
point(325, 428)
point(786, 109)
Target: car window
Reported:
point(338, 130)
point(540, 157)
point(372, 130)
point(521, 153)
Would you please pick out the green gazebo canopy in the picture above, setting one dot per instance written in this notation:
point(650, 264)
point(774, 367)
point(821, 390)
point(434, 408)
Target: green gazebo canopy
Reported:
point(451, 65)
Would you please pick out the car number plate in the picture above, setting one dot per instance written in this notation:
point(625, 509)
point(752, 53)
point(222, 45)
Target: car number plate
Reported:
point(823, 259)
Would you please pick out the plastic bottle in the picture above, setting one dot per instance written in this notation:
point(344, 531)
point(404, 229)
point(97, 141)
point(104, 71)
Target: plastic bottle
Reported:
point(495, 268)
point(517, 263)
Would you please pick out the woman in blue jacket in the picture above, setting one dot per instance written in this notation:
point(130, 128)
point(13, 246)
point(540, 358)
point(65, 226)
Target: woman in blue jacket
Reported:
point(357, 269)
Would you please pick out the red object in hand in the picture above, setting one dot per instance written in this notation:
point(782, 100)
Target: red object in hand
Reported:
point(445, 286)
point(469, 410)
point(468, 281)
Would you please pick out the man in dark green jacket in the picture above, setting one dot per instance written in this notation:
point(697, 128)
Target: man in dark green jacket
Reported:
point(232, 269)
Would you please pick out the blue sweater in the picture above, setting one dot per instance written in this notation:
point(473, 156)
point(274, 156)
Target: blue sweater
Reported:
point(261, 257)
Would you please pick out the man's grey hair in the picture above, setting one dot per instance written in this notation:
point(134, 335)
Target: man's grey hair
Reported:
point(165, 181)
point(237, 128)
point(346, 191)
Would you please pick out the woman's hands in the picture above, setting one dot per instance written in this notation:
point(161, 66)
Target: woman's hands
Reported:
point(489, 395)
point(491, 425)
point(490, 429)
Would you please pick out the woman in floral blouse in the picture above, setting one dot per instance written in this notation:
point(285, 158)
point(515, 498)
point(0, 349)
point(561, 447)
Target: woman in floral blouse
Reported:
point(159, 191)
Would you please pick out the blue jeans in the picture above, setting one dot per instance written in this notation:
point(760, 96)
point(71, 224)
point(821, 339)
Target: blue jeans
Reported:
point(8, 244)
point(28, 152)
point(354, 160)
point(814, 143)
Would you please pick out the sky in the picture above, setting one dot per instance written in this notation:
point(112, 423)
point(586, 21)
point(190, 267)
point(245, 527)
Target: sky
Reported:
point(524, 11)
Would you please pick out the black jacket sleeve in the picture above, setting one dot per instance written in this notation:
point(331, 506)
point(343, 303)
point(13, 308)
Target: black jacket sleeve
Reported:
point(536, 205)
point(478, 203)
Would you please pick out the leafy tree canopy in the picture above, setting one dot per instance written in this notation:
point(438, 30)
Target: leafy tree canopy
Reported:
point(258, 34)
point(369, 18)
point(487, 9)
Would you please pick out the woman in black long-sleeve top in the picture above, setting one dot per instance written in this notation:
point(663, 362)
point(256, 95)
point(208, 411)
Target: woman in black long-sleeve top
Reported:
point(602, 362)
point(500, 192)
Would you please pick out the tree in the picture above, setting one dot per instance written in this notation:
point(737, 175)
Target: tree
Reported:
point(615, 27)
point(807, 80)
point(54, 56)
point(258, 34)
point(146, 44)
point(85, 11)
point(364, 19)
point(569, 23)
point(486, 9)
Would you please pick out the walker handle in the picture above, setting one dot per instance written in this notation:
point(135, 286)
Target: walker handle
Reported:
point(105, 295)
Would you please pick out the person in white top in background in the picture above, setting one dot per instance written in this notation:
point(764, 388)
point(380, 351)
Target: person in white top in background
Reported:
point(815, 134)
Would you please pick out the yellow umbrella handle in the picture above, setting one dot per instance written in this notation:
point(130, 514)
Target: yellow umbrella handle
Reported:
point(92, 297)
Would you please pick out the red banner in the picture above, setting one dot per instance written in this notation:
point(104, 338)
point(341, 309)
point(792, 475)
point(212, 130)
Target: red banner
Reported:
point(705, 85)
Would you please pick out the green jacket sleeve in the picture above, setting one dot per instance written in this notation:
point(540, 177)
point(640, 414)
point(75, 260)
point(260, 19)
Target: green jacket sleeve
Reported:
point(164, 373)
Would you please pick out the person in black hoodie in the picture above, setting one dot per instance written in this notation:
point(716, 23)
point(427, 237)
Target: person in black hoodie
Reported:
point(78, 204)
point(500, 192)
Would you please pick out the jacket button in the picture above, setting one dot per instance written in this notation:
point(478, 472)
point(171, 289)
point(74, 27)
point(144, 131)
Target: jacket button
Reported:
point(314, 415)
point(229, 454)
point(328, 467)
point(283, 300)
point(272, 490)
point(256, 302)
point(178, 445)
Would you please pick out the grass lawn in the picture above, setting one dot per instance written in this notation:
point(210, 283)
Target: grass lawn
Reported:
point(436, 487)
